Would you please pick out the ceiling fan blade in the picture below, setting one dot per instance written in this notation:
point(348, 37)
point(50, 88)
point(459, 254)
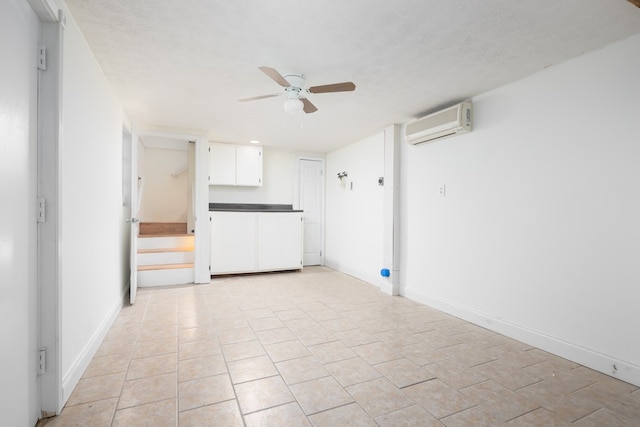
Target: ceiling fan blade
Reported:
point(308, 106)
point(275, 76)
point(335, 87)
point(255, 98)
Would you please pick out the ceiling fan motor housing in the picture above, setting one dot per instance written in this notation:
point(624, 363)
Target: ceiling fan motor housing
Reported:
point(295, 80)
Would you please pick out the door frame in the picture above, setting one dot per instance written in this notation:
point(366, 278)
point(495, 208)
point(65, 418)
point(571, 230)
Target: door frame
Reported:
point(297, 190)
point(200, 197)
point(50, 231)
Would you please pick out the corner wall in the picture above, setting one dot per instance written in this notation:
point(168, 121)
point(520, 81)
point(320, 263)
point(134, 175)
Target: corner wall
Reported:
point(537, 236)
point(355, 217)
point(91, 207)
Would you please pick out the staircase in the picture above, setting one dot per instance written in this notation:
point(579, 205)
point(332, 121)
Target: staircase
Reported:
point(165, 259)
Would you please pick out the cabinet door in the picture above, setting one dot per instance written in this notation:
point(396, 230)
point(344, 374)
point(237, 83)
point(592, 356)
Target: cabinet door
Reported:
point(249, 165)
point(222, 164)
point(233, 242)
point(279, 241)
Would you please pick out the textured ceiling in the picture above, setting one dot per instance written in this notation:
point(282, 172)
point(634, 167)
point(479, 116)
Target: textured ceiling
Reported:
point(182, 65)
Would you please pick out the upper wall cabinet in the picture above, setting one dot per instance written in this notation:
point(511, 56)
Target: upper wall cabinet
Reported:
point(235, 165)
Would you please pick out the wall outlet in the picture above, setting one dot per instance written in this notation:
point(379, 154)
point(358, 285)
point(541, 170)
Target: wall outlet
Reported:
point(442, 190)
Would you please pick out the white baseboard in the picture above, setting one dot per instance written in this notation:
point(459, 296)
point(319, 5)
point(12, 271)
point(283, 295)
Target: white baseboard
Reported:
point(369, 278)
point(72, 377)
point(600, 362)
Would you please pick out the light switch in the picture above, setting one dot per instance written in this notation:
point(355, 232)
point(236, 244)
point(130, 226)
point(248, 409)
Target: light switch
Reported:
point(442, 190)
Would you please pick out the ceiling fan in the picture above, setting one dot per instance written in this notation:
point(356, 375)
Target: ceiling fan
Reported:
point(296, 92)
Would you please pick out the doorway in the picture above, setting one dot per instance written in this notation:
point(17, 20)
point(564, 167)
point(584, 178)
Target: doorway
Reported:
point(311, 187)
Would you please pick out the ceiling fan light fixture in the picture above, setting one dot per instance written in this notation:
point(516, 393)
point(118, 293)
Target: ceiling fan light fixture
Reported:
point(293, 106)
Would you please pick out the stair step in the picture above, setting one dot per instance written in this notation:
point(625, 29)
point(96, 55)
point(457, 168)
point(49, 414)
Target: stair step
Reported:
point(164, 267)
point(166, 276)
point(161, 242)
point(165, 257)
point(162, 250)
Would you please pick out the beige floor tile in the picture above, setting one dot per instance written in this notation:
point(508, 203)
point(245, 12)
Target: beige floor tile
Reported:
point(195, 322)
point(320, 394)
point(97, 388)
point(149, 389)
point(403, 372)
point(291, 314)
point(331, 352)
point(566, 407)
point(296, 325)
point(303, 369)
point(156, 414)
point(94, 414)
point(259, 313)
point(356, 337)
point(309, 306)
point(508, 376)
point(150, 366)
point(340, 324)
point(336, 316)
point(326, 314)
point(262, 394)
point(199, 367)
point(242, 350)
point(423, 353)
point(192, 349)
point(455, 374)
point(156, 332)
point(155, 347)
point(251, 369)
point(379, 396)
point(502, 403)
point(315, 336)
point(376, 352)
point(539, 417)
point(197, 334)
point(348, 415)
point(110, 347)
point(352, 371)
point(273, 336)
point(411, 416)
point(265, 323)
point(231, 336)
point(605, 417)
point(224, 414)
point(105, 365)
point(287, 350)
point(230, 323)
point(289, 415)
point(438, 398)
point(477, 417)
point(204, 391)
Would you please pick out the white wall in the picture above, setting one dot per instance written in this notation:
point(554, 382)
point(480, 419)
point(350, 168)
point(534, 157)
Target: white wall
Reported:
point(355, 217)
point(165, 196)
point(19, 33)
point(91, 207)
point(278, 169)
point(538, 233)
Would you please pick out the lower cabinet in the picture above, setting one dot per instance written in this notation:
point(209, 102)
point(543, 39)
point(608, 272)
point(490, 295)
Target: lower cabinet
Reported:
point(244, 242)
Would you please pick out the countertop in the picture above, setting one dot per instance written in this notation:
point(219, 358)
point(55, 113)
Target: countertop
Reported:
point(250, 207)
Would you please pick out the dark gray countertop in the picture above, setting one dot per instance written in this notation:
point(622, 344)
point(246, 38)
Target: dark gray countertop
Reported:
point(250, 207)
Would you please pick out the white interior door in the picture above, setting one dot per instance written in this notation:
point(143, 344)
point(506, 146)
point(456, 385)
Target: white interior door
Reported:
point(311, 202)
point(134, 221)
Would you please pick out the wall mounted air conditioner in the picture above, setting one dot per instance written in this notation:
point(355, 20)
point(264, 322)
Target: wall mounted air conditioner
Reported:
point(441, 124)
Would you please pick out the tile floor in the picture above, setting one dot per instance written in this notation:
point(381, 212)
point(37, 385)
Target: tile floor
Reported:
point(321, 348)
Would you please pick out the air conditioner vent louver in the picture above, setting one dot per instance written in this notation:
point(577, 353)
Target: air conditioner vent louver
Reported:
point(448, 122)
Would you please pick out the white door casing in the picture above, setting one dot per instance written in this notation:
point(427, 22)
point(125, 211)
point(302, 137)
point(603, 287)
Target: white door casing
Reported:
point(134, 220)
point(311, 188)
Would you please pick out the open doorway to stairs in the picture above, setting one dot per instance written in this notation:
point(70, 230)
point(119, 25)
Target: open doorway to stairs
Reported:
point(165, 250)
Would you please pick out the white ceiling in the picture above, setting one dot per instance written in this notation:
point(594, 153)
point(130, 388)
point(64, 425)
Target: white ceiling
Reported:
point(182, 65)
